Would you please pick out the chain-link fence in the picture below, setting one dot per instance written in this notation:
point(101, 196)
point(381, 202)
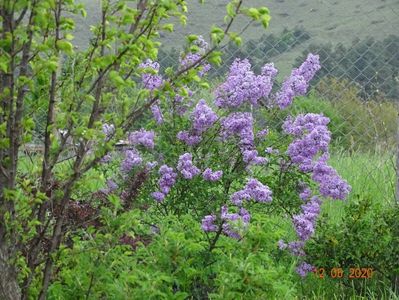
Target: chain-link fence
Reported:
point(357, 87)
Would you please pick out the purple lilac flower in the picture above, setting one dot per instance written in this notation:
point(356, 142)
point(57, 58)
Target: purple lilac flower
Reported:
point(238, 197)
point(270, 150)
point(282, 245)
point(225, 215)
point(309, 67)
point(208, 223)
point(240, 124)
point(108, 130)
point(191, 58)
point(151, 165)
point(245, 216)
point(262, 133)
point(158, 196)
point(230, 232)
point(251, 157)
point(132, 158)
point(304, 223)
point(269, 70)
point(304, 268)
point(330, 183)
point(186, 167)
point(210, 175)
point(151, 81)
point(230, 228)
point(142, 137)
point(312, 138)
point(297, 83)
point(168, 178)
point(203, 117)
point(296, 248)
point(305, 193)
point(157, 113)
point(242, 85)
point(253, 190)
point(258, 191)
point(188, 138)
point(111, 186)
point(182, 103)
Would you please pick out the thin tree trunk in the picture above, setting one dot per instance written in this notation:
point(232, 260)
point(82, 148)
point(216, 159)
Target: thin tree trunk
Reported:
point(9, 288)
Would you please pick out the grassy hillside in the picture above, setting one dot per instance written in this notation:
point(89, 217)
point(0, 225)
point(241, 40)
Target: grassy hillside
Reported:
point(334, 21)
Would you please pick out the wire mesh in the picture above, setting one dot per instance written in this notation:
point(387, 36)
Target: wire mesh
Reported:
point(357, 87)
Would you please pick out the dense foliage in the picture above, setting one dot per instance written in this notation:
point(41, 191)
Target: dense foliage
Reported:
point(143, 189)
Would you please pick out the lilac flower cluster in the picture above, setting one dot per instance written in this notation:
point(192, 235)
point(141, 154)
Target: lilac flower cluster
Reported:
point(262, 133)
point(271, 150)
point(330, 183)
point(231, 222)
point(251, 157)
point(269, 70)
point(304, 223)
point(157, 113)
point(186, 167)
point(108, 130)
point(151, 165)
point(255, 190)
point(242, 85)
point(297, 83)
point(188, 138)
point(312, 139)
point(191, 58)
point(182, 103)
point(203, 117)
point(166, 182)
point(241, 124)
point(132, 158)
point(142, 137)
point(304, 268)
point(151, 80)
point(210, 175)
point(208, 223)
point(305, 193)
point(296, 248)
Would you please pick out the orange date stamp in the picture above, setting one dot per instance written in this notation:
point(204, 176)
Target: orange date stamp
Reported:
point(340, 273)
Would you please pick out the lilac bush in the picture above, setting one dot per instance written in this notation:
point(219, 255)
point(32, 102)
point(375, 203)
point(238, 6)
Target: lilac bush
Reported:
point(216, 160)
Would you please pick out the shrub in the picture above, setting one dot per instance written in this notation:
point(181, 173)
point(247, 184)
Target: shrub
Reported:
point(365, 236)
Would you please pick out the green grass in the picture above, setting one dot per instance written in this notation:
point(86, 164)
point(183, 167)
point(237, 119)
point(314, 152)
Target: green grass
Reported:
point(370, 175)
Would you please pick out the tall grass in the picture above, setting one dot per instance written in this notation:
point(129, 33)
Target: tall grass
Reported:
point(370, 174)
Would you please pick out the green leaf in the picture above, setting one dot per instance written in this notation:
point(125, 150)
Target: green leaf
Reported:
point(168, 27)
point(65, 46)
point(265, 21)
point(191, 38)
point(263, 10)
point(116, 78)
point(217, 34)
point(231, 10)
